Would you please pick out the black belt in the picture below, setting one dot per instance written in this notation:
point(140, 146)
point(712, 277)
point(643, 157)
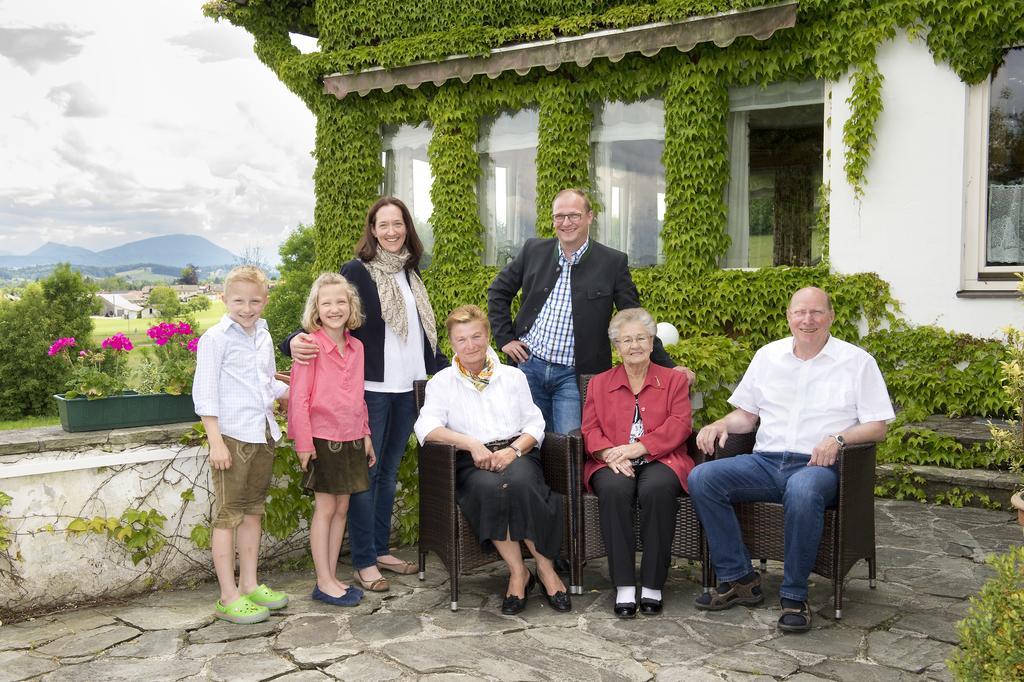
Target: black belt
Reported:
point(496, 445)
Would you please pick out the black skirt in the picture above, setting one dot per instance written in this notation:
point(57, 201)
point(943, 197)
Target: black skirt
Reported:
point(515, 503)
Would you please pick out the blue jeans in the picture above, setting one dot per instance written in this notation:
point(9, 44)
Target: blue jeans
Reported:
point(392, 416)
point(555, 392)
point(804, 492)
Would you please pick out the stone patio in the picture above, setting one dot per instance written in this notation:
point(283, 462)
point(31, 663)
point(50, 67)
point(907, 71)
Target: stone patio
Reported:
point(931, 559)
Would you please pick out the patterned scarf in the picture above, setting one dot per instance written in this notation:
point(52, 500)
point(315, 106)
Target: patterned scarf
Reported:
point(382, 270)
point(481, 380)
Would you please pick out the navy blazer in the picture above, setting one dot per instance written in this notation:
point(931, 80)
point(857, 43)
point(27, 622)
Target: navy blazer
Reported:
point(601, 283)
point(371, 333)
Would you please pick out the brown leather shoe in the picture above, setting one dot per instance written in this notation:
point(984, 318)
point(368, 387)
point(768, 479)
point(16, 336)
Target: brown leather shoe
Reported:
point(381, 584)
point(401, 568)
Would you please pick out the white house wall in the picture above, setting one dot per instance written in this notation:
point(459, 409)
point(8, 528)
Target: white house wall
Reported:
point(908, 227)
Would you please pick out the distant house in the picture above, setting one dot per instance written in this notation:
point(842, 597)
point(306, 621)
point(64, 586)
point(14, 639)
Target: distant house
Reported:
point(121, 305)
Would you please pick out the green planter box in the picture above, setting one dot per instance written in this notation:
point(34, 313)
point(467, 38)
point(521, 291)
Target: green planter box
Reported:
point(123, 411)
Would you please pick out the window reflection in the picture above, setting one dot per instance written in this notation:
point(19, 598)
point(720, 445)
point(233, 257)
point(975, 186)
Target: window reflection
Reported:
point(407, 175)
point(775, 158)
point(508, 183)
point(1006, 162)
point(627, 141)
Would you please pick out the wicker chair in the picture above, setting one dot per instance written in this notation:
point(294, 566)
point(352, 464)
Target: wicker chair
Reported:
point(849, 532)
point(688, 542)
point(443, 528)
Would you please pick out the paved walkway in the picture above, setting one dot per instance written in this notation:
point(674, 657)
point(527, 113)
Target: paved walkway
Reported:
point(931, 560)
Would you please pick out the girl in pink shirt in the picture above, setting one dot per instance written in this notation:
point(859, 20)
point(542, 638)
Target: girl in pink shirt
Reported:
point(327, 419)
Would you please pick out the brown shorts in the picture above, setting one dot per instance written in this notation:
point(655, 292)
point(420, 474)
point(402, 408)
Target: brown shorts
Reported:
point(340, 468)
point(241, 490)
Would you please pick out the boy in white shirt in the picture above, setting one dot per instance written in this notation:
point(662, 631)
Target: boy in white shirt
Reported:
point(234, 392)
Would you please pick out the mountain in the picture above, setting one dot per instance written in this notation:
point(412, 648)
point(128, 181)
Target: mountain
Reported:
point(175, 250)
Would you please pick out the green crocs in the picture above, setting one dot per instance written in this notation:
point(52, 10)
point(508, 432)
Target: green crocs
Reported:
point(264, 596)
point(242, 611)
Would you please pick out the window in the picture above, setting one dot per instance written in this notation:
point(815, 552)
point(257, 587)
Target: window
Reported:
point(626, 147)
point(508, 183)
point(776, 141)
point(994, 243)
point(407, 176)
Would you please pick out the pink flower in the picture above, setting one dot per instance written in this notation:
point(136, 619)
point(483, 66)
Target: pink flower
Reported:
point(193, 344)
point(60, 344)
point(118, 342)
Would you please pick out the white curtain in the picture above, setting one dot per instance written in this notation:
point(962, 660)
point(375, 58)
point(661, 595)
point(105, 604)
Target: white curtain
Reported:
point(508, 183)
point(407, 175)
point(738, 192)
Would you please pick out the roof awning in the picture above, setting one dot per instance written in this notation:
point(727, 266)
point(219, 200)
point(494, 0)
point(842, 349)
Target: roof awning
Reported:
point(613, 44)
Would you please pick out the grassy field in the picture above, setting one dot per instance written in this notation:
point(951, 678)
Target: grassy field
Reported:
point(103, 327)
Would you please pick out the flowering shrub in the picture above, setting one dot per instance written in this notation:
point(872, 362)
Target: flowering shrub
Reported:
point(168, 367)
point(175, 353)
point(95, 373)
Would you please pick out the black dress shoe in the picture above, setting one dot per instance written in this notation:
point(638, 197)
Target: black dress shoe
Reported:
point(625, 610)
point(559, 601)
point(562, 565)
point(650, 607)
point(512, 604)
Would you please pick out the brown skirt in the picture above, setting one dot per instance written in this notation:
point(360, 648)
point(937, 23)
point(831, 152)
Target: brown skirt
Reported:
point(340, 468)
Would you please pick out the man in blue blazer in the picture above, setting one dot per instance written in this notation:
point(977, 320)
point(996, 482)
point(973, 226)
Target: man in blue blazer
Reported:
point(571, 285)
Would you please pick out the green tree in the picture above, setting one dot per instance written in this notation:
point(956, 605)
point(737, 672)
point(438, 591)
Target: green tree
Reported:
point(189, 275)
point(165, 300)
point(197, 304)
point(287, 299)
point(59, 306)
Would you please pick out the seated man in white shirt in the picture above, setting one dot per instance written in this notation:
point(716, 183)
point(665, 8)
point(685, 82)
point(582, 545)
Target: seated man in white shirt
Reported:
point(813, 394)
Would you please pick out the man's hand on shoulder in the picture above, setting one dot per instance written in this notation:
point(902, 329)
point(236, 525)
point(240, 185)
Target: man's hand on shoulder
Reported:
point(691, 376)
point(516, 350)
point(711, 435)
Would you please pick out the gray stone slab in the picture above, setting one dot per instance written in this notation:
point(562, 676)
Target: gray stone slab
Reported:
point(222, 631)
point(474, 621)
point(576, 642)
point(89, 642)
point(857, 670)
point(326, 653)
point(126, 670)
point(381, 627)
point(723, 635)
point(639, 631)
point(906, 652)
point(166, 612)
point(237, 646)
point(251, 668)
point(756, 661)
point(22, 665)
point(675, 650)
point(839, 642)
point(429, 599)
point(864, 616)
point(365, 667)
point(940, 626)
point(509, 656)
point(310, 631)
point(304, 676)
point(151, 644)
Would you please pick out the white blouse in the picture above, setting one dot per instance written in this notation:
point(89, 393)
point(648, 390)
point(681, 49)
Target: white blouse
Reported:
point(403, 360)
point(502, 410)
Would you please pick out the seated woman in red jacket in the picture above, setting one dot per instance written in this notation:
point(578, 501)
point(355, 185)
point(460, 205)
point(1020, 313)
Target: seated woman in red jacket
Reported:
point(635, 424)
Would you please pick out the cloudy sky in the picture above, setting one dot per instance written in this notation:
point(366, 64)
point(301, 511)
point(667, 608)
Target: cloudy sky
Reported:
point(125, 120)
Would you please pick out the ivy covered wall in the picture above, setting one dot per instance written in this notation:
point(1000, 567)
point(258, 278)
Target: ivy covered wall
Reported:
point(722, 315)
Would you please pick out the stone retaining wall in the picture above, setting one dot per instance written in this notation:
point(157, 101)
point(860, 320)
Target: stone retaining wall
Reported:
point(55, 477)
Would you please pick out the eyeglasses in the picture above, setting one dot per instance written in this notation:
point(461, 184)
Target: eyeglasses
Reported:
point(630, 340)
point(573, 218)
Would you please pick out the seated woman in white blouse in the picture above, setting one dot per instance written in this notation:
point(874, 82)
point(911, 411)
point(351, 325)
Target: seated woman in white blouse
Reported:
point(484, 408)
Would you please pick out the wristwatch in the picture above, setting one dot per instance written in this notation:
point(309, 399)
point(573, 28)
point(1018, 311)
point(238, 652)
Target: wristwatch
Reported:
point(515, 449)
point(839, 439)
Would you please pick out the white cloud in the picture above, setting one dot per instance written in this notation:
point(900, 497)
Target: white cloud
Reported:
point(125, 120)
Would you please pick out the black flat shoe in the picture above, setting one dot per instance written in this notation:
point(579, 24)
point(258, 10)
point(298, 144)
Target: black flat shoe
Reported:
point(626, 610)
point(560, 601)
point(512, 604)
point(650, 607)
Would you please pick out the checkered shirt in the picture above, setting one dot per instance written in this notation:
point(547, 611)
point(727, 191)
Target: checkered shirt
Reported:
point(552, 337)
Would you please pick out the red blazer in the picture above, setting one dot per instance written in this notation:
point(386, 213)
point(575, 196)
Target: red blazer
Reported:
point(664, 408)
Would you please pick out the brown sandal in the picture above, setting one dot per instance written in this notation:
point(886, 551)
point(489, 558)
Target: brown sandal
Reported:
point(401, 568)
point(379, 585)
point(738, 593)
